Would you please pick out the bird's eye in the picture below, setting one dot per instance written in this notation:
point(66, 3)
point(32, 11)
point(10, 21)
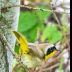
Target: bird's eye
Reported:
point(50, 50)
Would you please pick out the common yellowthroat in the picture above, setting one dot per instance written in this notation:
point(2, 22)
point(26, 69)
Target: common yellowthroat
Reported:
point(34, 55)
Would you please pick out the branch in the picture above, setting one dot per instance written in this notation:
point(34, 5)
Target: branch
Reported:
point(10, 48)
point(56, 65)
point(43, 4)
point(55, 15)
point(35, 8)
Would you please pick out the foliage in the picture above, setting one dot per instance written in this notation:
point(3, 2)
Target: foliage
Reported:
point(42, 14)
point(52, 34)
point(26, 21)
point(29, 22)
point(16, 49)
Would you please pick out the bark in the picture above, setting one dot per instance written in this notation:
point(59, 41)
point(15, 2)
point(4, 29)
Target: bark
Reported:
point(8, 21)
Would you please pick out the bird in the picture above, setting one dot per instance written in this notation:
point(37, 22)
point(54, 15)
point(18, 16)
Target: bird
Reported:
point(33, 55)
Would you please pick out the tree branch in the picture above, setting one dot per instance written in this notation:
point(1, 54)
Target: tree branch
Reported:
point(35, 8)
point(10, 48)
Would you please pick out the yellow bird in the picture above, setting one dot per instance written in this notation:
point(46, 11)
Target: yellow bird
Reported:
point(34, 55)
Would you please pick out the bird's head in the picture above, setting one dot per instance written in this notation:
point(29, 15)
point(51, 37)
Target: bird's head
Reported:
point(50, 50)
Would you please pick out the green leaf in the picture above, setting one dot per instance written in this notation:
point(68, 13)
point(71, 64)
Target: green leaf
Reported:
point(26, 21)
point(52, 34)
point(47, 33)
point(56, 37)
point(31, 34)
point(16, 49)
point(43, 14)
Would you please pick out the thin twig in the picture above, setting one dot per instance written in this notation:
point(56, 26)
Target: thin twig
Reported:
point(47, 69)
point(10, 48)
point(34, 8)
point(43, 4)
point(55, 15)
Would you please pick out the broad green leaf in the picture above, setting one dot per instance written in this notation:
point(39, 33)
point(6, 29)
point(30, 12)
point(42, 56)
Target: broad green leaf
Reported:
point(26, 21)
point(47, 33)
point(52, 34)
point(31, 34)
point(56, 37)
point(43, 14)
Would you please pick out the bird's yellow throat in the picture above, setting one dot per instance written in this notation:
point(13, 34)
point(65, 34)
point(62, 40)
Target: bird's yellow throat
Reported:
point(50, 55)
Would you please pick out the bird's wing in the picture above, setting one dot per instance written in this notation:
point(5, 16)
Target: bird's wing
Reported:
point(22, 41)
point(18, 35)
